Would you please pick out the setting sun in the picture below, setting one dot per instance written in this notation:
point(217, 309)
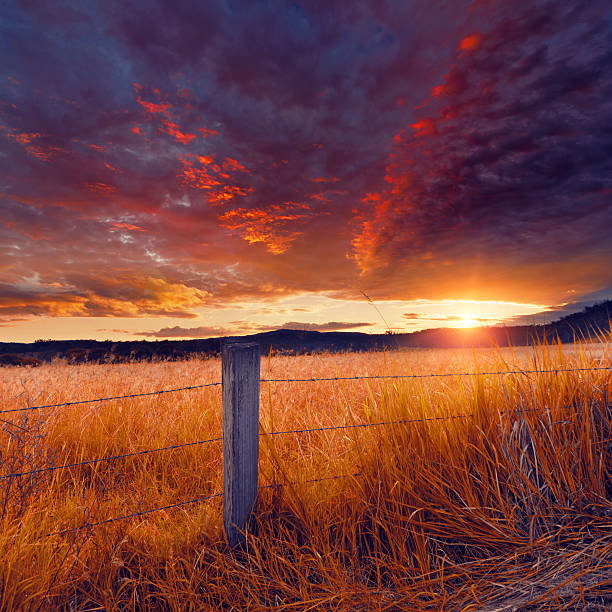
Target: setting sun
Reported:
point(468, 321)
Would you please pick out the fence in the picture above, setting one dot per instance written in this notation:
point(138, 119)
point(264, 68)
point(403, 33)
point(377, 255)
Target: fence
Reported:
point(240, 386)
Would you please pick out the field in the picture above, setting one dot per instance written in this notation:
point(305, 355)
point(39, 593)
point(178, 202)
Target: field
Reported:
point(506, 507)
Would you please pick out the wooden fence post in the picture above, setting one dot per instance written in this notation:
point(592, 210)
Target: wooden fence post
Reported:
point(240, 376)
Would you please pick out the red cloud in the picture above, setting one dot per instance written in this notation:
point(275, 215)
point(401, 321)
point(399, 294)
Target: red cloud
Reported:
point(152, 107)
point(209, 176)
point(206, 132)
point(424, 127)
point(471, 42)
point(100, 188)
point(173, 129)
point(39, 150)
point(234, 165)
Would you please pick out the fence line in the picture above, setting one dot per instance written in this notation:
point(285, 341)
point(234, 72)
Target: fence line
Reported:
point(267, 433)
point(436, 375)
point(241, 379)
point(291, 431)
point(100, 459)
point(399, 422)
point(289, 484)
point(333, 378)
point(134, 514)
point(106, 399)
point(201, 499)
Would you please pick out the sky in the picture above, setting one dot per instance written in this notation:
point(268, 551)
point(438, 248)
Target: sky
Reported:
point(174, 169)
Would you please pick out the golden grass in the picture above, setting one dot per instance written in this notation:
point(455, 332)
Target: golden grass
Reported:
point(509, 508)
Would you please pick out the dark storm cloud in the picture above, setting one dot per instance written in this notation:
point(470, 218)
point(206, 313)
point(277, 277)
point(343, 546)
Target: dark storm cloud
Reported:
point(510, 157)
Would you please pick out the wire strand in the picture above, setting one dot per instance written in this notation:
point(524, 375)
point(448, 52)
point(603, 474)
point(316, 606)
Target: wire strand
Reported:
point(101, 459)
point(106, 399)
point(397, 422)
point(270, 433)
point(134, 514)
point(434, 375)
point(286, 484)
point(190, 501)
point(334, 378)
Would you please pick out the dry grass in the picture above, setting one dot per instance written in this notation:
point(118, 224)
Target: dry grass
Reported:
point(509, 509)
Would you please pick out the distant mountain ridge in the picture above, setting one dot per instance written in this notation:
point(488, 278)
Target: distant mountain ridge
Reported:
point(592, 322)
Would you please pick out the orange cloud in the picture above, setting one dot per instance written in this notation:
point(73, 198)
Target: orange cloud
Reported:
point(325, 179)
point(141, 297)
point(208, 177)
point(39, 150)
point(227, 193)
point(45, 154)
point(26, 138)
point(268, 226)
point(199, 178)
point(126, 226)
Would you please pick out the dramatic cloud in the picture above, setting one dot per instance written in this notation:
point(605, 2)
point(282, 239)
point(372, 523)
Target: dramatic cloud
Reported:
point(508, 159)
point(101, 297)
point(162, 160)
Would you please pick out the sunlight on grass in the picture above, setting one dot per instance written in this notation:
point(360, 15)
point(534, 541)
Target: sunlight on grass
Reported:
point(509, 505)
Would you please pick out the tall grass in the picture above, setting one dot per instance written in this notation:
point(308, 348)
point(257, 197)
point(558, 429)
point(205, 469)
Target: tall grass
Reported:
point(508, 505)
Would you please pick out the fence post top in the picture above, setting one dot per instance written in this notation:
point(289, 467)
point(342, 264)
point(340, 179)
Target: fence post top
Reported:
point(231, 345)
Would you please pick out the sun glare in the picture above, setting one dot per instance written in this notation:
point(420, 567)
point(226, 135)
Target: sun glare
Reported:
point(468, 321)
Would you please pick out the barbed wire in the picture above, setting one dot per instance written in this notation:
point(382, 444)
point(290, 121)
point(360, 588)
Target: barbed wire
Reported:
point(286, 484)
point(331, 378)
point(401, 421)
point(357, 425)
point(274, 433)
point(134, 514)
point(435, 375)
point(101, 459)
point(106, 399)
point(191, 501)
point(201, 499)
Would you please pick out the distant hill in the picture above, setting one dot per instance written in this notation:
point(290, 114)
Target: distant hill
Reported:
point(592, 322)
